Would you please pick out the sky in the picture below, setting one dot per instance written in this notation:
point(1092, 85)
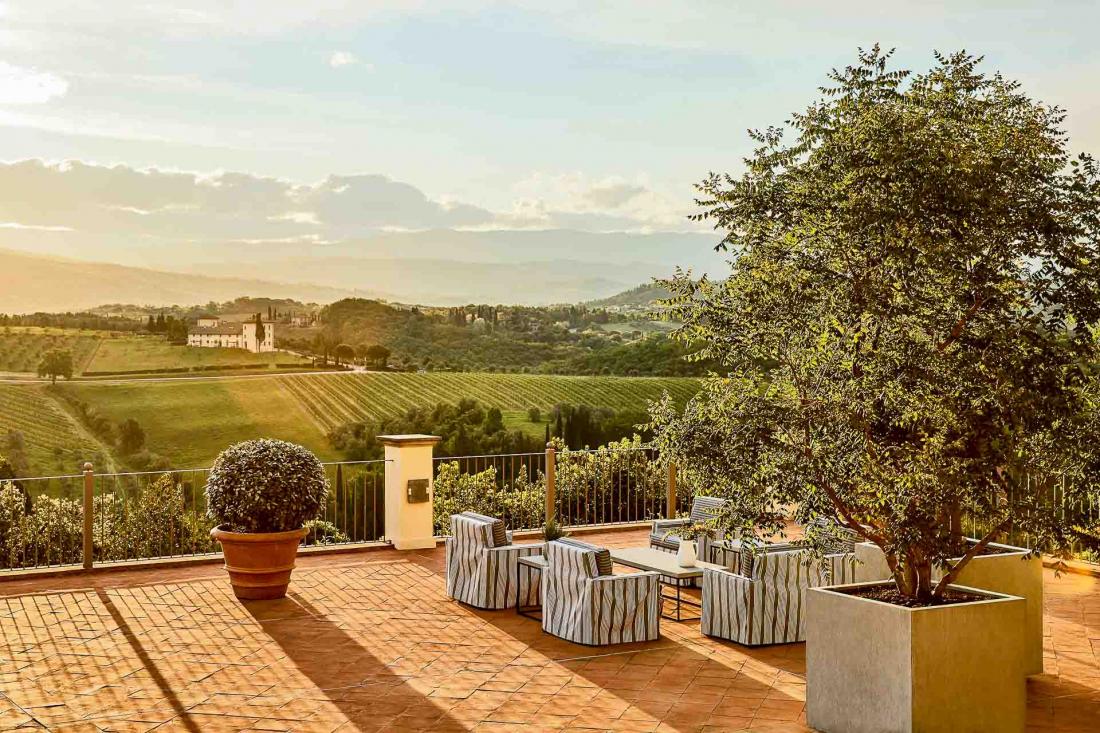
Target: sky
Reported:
point(319, 121)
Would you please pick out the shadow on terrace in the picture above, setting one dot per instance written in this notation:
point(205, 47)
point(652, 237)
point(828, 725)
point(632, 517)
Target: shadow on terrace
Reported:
point(369, 642)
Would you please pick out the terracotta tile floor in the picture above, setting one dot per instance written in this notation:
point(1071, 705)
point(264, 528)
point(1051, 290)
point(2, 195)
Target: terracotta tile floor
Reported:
point(368, 642)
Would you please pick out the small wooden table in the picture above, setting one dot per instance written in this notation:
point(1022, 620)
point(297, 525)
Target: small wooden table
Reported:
point(670, 574)
point(532, 563)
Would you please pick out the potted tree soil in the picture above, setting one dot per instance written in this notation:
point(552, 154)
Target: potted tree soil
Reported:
point(906, 344)
point(261, 493)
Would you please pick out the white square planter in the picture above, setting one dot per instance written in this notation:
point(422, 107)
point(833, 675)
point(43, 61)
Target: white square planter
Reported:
point(1013, 571)
point(874, 667)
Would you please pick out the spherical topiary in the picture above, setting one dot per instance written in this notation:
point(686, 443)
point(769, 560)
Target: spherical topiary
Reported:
point(265, 486)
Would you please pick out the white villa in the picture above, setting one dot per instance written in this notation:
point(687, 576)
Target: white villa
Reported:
point(212, 332)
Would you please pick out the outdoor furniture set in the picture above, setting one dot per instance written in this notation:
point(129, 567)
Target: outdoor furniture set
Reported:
point(751, 595)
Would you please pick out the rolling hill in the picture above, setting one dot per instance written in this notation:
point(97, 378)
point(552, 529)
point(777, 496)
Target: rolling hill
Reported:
point(30, 283)
point(190, 422)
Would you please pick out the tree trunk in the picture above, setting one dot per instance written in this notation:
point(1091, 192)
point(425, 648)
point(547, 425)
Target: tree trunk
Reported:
point(913, 578)
point(955, 523)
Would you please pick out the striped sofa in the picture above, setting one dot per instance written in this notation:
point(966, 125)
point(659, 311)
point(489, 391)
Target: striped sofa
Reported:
point(483, 574)
point(763, 601)
point(583, 606)
point(703, 509)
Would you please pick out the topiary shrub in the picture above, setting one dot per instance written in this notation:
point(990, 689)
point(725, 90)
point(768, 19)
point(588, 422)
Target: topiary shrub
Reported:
point(265, 486)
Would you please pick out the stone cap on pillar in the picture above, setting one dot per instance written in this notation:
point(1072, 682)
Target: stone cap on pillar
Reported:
point(414, 439)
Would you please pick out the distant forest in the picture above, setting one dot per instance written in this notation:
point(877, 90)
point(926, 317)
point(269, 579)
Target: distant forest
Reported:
point(569, 339)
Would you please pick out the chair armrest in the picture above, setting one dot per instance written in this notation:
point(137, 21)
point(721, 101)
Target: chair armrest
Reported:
point(626, 578)
point(537, 547)
point(664, 526)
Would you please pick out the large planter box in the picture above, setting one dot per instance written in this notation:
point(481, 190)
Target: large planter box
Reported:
point(874, 667)
point(1013, 571)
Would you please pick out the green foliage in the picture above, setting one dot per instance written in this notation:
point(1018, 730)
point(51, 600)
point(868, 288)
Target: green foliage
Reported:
point(520, 502)
point(552, 530)
point(265, 486)
point(908, 325)
point(131, 438)
point(146, 521)
point(56, 363)
point(657, 355)
point(323, 533)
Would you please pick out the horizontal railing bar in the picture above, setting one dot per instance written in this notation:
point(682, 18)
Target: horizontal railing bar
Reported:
point(487, 455)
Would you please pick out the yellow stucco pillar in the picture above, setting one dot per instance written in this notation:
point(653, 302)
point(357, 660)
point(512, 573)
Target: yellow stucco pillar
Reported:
point(409, 490)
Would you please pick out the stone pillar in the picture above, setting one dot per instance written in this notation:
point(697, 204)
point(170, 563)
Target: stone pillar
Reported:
point(409, 490)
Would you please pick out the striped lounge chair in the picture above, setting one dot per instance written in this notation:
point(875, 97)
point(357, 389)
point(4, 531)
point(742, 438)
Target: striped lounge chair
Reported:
point(481, 564)
point(583, 605)
point(763, 600)
point(703, 509)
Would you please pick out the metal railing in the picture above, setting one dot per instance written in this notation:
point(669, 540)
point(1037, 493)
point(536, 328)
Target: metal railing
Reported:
point(90, 518)
point(611, 485)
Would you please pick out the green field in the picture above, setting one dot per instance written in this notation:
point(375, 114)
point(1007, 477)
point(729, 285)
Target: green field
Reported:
point(22, 347)
point(54, 442)
point(190, 422)
point(333, 399)
point(153, 352)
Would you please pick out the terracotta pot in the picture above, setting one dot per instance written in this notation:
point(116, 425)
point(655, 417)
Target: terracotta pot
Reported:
point(259, 563)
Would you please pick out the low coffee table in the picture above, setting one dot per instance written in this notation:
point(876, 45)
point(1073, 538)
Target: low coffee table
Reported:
point(530, 564)
point(670, 572)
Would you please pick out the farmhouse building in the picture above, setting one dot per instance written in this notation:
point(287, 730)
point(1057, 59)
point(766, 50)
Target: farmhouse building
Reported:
point(212, 332)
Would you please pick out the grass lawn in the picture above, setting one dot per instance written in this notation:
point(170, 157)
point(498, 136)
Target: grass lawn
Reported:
point(153, 352)
point(191, 422)
point(517, 420)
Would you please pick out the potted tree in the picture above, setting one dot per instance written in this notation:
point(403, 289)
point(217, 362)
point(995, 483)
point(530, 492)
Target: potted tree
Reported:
point(906, 341)
point(261, 493)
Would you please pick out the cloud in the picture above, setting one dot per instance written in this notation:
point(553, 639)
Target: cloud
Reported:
point(19, 85)
point(342, 58)
point(122, 200)
point(613, 195)
point(87, 202)
point(611, 204)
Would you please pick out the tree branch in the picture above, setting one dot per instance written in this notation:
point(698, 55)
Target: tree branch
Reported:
point(978, 546)
point(960, 324)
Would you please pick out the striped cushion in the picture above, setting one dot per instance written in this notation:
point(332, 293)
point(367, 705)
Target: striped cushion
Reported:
point(603, 555)
point(500, 533)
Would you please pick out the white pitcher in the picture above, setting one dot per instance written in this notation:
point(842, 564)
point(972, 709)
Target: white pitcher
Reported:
point(685, 556)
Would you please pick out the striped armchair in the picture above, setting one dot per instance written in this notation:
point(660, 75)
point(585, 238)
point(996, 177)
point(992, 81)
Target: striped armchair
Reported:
point(703, 509)
point(765, 604)
point(482, 573)
point(582, 606)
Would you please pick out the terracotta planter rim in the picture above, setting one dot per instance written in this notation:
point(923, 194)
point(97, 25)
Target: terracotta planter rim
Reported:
point(219, 534)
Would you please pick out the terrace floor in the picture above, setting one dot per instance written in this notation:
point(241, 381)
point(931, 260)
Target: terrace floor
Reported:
point(369, 642)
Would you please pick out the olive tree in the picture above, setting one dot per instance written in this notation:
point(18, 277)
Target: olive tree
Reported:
point(906, 335)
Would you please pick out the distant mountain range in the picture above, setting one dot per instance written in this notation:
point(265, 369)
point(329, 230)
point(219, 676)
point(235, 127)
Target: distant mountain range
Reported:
point(32, 282)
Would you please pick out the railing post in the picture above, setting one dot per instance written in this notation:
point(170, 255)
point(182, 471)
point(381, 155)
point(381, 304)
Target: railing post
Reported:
point(670, 498)
point(89, 496)
point(551, 482)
